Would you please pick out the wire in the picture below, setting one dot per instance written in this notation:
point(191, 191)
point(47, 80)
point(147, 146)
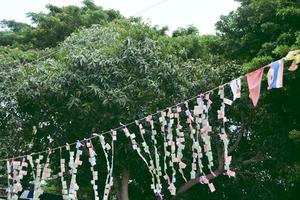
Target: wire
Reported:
point(150, 7)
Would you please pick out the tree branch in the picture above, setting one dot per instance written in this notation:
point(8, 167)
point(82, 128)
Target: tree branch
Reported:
point(237, 142)
point(210, 176)
point(240, 136)
point(256, 159)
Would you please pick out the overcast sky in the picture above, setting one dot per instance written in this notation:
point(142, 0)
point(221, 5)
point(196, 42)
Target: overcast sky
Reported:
point(174, 13)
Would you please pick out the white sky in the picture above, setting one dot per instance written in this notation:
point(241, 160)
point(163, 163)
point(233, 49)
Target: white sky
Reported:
point(174, 13)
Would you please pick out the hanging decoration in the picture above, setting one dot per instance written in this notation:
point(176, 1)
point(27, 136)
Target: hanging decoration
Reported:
point(172, 147)
point(18, 170)
point(147, 151)
point(223, 135)
point(108, 149)
point(157, 168)
point(92, 161)
point(180, 143)
point(194, 135)
point(173, 142)
point(163, 122)
point(38, 191)
point(206, 129)
point(203, 107)
point(73, 166)
point(254, 82)
point(61, 174)
point(236, 86)
point(275, 74)
point(138, 150)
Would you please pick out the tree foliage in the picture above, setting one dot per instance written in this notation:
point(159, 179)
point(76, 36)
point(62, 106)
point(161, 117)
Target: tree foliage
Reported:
point(108, 69)
point(47, 30)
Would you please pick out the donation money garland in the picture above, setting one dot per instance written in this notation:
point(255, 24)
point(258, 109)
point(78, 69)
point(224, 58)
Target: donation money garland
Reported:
point(170, 123)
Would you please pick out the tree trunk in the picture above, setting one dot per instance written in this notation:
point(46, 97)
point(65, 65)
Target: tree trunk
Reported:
point(122, 186)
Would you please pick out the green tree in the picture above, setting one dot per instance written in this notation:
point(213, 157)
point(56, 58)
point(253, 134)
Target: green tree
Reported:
point(260, 28)
point(51, 28)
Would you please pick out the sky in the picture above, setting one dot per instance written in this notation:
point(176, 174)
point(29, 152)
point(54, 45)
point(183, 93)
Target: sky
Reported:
point(172, 13)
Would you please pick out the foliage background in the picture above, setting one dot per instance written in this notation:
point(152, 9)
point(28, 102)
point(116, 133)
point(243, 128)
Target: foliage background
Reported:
point(108, 69)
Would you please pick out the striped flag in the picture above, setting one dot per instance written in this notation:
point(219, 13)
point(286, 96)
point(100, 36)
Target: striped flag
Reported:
point(275, 74)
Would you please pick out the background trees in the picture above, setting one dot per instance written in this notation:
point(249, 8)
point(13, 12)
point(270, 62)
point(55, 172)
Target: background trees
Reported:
point(111, 69)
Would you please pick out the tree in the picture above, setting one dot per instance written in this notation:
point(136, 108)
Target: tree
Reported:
point(123, 70)
point(51, 28)
point(260, 28)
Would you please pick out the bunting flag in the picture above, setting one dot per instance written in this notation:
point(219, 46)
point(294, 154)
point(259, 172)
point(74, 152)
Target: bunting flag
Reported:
point(254, 84)
point(235, 86)
point(295, 57)
point(275, 74)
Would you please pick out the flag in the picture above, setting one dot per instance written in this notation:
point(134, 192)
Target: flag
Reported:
point(235, 86)
point(275, 74)
point(254, 80)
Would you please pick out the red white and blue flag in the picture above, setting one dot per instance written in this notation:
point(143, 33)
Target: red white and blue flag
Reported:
point(275, 74)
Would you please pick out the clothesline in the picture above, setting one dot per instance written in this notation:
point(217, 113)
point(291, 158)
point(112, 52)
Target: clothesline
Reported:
point(96, 135)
